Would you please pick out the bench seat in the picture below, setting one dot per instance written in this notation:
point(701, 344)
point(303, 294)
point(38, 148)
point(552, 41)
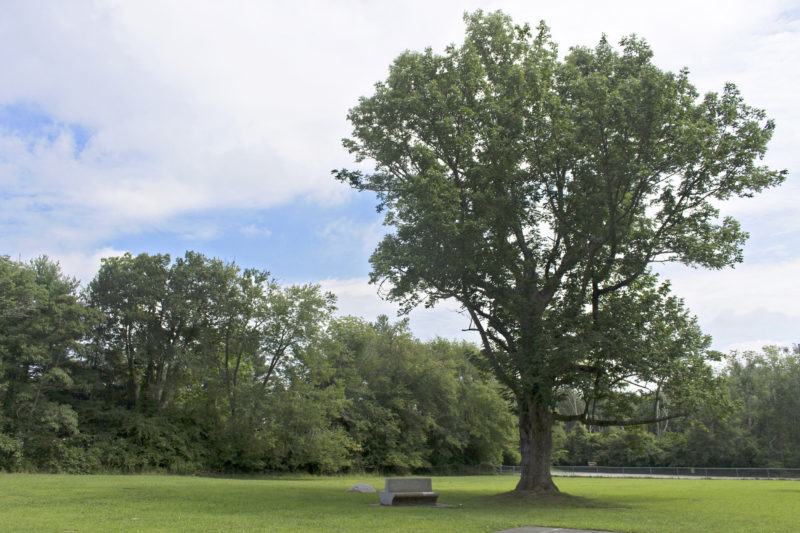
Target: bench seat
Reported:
point(408, 491)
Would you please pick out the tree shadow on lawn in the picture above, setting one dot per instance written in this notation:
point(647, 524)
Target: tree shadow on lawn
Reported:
point(546, 500)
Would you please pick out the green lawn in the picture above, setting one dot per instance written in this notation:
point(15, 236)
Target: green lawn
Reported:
point(60, 503)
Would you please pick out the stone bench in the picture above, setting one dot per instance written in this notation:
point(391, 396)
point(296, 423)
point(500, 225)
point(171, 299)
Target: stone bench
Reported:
point(408, 491)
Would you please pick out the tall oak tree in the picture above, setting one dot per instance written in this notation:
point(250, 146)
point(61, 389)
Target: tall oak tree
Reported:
point(538, 191)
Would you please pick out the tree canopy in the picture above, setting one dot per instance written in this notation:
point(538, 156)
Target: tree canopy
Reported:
point(538, 191)
point(197, 365)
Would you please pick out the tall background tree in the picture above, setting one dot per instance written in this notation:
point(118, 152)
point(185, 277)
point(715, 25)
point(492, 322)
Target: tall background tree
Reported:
point(413, 405)
point(208, 340)
point(42, 323)
point(537, 191)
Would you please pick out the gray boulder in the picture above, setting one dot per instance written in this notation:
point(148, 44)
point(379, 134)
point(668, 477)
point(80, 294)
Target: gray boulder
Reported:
point(361, 487)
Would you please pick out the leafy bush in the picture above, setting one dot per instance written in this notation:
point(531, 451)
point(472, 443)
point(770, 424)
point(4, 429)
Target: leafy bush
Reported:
point(10, 453)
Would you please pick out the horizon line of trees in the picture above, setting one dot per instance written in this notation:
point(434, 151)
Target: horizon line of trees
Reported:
point(755, 425)
point(196, 365)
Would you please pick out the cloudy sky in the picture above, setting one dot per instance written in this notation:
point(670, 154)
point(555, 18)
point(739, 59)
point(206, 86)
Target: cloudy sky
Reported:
point(166, 126)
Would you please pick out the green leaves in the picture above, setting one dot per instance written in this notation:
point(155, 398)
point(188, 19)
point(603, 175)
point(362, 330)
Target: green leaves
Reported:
point(515, 179)
point(412, 404)
point(42, 324)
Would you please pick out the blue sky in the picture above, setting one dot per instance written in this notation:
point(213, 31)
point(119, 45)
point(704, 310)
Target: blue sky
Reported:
point(166, 126)
point(297, 242)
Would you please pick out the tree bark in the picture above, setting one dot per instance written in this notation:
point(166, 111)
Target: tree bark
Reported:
point(535, 443)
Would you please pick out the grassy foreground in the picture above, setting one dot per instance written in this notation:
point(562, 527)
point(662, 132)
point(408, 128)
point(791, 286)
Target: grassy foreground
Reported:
point(61, 503)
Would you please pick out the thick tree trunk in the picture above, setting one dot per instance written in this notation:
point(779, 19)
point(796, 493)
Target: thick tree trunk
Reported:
point(535, 442)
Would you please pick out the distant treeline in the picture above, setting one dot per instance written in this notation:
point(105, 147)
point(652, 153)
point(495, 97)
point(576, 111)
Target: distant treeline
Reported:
point(756, 424)
point(196, 365)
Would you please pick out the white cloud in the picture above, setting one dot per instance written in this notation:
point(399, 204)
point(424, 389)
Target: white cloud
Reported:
point(752, 301)
point(358, 298)
point(84, 267)
point(251, 230)
point(189, 111)
point(209, 105)
point(214, 104)
point(340, 233)
point(754, 345)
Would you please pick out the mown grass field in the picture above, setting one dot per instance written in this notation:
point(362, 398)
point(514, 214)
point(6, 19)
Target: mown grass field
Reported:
point(61, 503)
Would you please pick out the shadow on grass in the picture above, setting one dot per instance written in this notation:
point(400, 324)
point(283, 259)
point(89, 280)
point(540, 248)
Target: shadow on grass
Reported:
point(546, 500)
point(267, 476)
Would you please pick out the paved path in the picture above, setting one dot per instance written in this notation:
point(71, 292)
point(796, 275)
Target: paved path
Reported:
point(536, 529)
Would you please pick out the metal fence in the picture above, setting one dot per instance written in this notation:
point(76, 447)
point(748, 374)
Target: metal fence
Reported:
point(682, 471)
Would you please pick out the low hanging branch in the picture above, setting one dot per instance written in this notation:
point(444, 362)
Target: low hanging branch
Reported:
point(590, 421)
